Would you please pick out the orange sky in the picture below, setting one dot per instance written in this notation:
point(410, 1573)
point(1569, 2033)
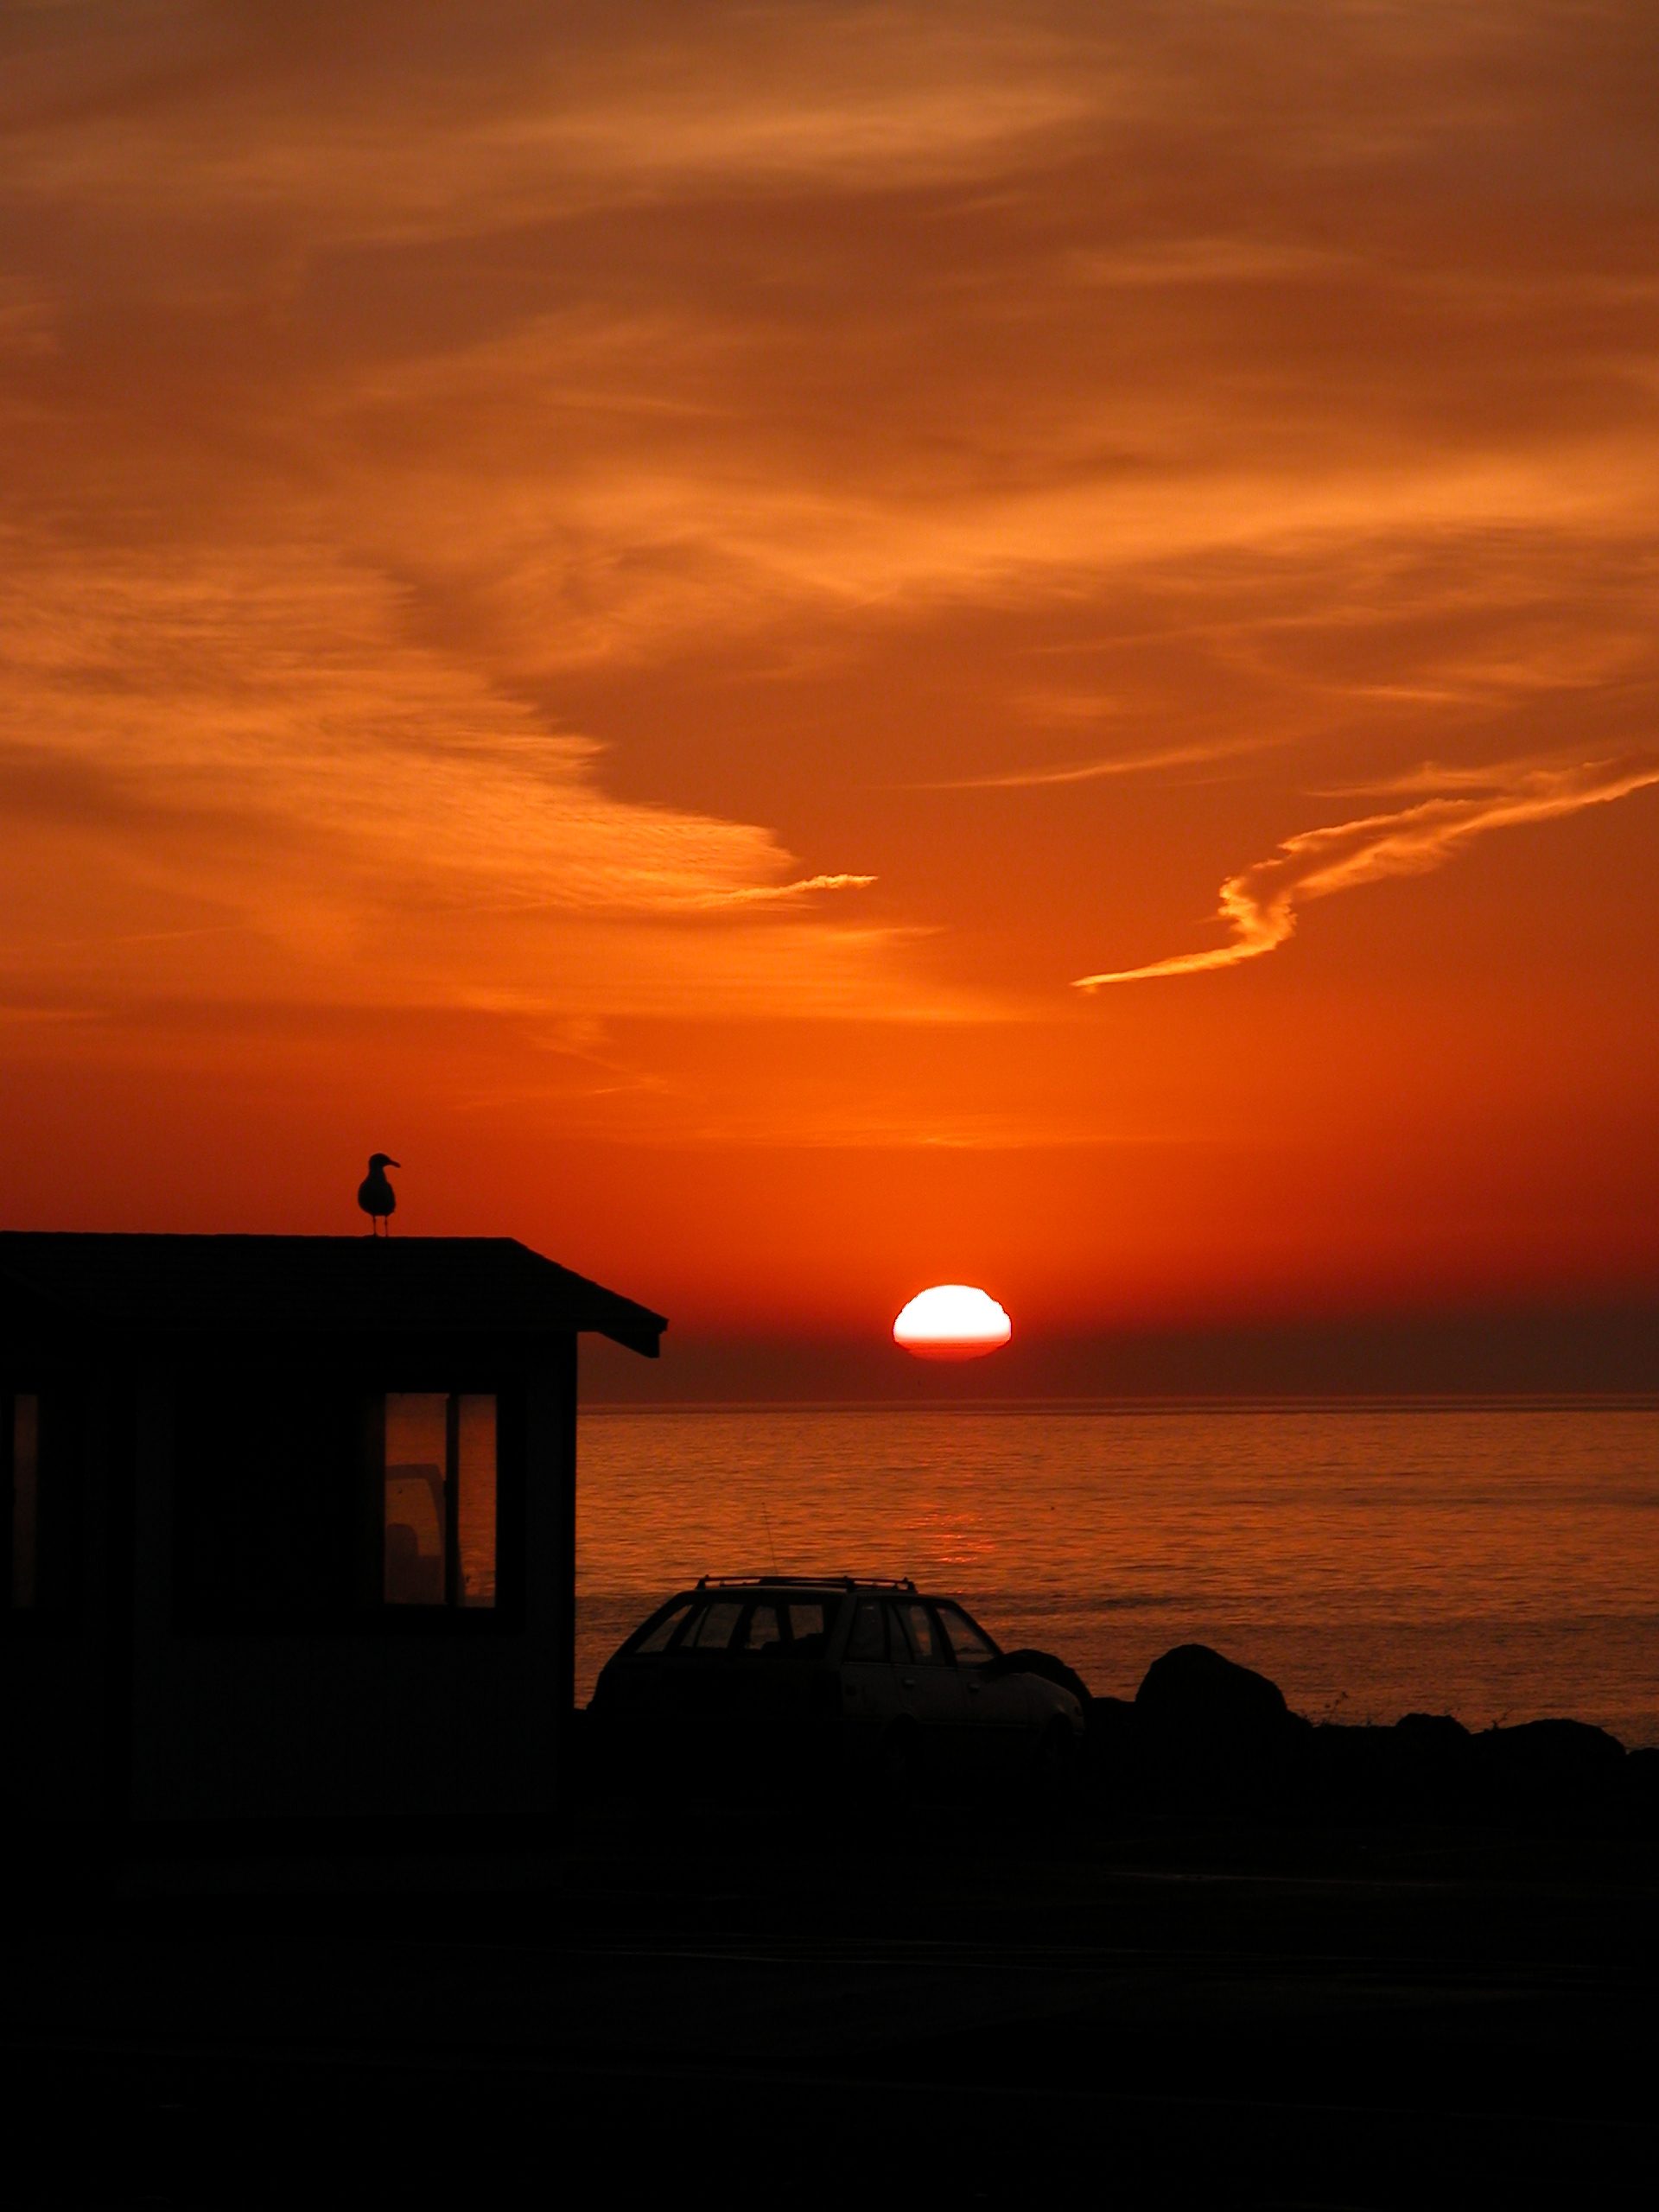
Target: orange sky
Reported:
point(626, 604)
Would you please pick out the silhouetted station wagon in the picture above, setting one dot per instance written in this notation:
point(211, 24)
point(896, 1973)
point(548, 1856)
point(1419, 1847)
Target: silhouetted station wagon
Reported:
point(785, 1673)
point(289, 1525)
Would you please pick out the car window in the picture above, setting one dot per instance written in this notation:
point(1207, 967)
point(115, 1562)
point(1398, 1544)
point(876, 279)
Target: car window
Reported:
point(924, 1637)
point(765, 1629)
point(658, 1638)
point(713, 1631)
point(869, 1637)
point(972, 1647)
point(898, 1642)
point(807, 1619)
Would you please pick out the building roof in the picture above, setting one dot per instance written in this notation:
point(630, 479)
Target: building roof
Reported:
point(487, 1286)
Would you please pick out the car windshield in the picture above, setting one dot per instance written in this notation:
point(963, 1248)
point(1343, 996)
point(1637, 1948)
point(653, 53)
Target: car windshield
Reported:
point(660, 1638)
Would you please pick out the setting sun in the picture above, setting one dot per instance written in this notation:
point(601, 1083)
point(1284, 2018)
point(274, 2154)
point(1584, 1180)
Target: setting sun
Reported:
point(951, 1321)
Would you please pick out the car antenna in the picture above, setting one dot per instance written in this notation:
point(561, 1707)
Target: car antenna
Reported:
point(771, 1546)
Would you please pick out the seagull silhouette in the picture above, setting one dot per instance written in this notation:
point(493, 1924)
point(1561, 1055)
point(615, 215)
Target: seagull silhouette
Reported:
point(375, 1195)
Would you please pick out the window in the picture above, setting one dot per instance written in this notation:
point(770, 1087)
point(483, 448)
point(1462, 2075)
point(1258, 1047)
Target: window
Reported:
point(924, 1638)
point(806, 1620)
point(440, 1499)
point(475, 1446)
point(766, 1630)
point(972, 1646)
point(660, 1635)
point(39, 1504)
point(303, 1499)
point(25, 1467)
point(869, 1637)
point(714, 1631)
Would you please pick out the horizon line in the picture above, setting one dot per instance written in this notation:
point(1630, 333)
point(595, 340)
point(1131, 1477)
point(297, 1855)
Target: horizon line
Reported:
point(1164, 1402)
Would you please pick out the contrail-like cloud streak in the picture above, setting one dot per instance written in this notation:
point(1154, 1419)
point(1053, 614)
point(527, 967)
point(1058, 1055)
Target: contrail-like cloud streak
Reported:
point(754, 894)
point(1091, 772)
point(1261, 904)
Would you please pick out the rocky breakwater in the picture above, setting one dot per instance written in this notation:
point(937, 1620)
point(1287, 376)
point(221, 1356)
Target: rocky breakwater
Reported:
point(1204, 1734)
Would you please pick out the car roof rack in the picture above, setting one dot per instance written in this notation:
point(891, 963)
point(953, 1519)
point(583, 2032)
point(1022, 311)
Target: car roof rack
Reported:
point(802, 1582)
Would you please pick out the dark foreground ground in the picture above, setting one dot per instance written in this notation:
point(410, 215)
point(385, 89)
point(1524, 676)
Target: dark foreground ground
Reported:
point(1116, 2006)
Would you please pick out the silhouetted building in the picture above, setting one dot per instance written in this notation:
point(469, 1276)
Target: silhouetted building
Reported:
point(289, 1525)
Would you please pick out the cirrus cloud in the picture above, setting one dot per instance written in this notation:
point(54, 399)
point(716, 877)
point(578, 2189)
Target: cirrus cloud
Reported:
point(1259, 904)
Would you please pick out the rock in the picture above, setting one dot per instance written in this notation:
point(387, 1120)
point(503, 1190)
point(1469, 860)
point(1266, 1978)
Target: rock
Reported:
point(1218, 1734)
point(1205, 1734)
point(1429, 1767)
point(1642, 1781)
point(1050, 1669)
point(1115, 1720)
point(1195, 1690)
point(1115, 1746)
point(1433, 1771)
point(1353, 1767)
point(1434, 1736)
point(1557, 1770)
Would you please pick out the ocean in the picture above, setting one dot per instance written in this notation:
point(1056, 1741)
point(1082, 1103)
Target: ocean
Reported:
point(1496, 1561)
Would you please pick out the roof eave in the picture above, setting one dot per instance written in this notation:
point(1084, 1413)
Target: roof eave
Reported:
point(645, 1337)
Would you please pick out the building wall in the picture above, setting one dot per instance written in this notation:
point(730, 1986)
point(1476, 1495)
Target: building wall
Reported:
point(446, 1717)
point(57, 1758)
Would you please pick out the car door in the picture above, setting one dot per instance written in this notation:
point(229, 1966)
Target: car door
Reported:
point(762, 1683)
point(701, 1677)
point(997, 1704)
point(928, 1690)
point(869, 1689)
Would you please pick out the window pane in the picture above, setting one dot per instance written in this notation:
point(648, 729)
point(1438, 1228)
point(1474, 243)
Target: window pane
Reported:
point(972, 1649)
point(658, 1638)
point(25, 1498)
point(417, 1452)
point(713, 1631)
point(806, 1620)
point(868, 1639)
point(476, 1430)
point(924, 1641)
point(764, 1628)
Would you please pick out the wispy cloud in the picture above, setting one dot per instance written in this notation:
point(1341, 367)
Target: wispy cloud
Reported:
point(469, 484)
point(1260, 904)
point(259, 785)
point(757, 893)
point(1089, 772)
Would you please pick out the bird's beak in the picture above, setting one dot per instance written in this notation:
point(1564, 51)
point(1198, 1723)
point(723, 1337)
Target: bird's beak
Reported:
point(394, 1163)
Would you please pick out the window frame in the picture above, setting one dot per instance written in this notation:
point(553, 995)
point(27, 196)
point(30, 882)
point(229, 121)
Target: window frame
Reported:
point(884, 1656)
point(375, 1612)
point(55, 1607)
point(942, 1611)
point(356, 1387)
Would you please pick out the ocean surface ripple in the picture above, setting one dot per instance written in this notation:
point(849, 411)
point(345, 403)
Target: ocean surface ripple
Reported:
point(1498, 1562)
